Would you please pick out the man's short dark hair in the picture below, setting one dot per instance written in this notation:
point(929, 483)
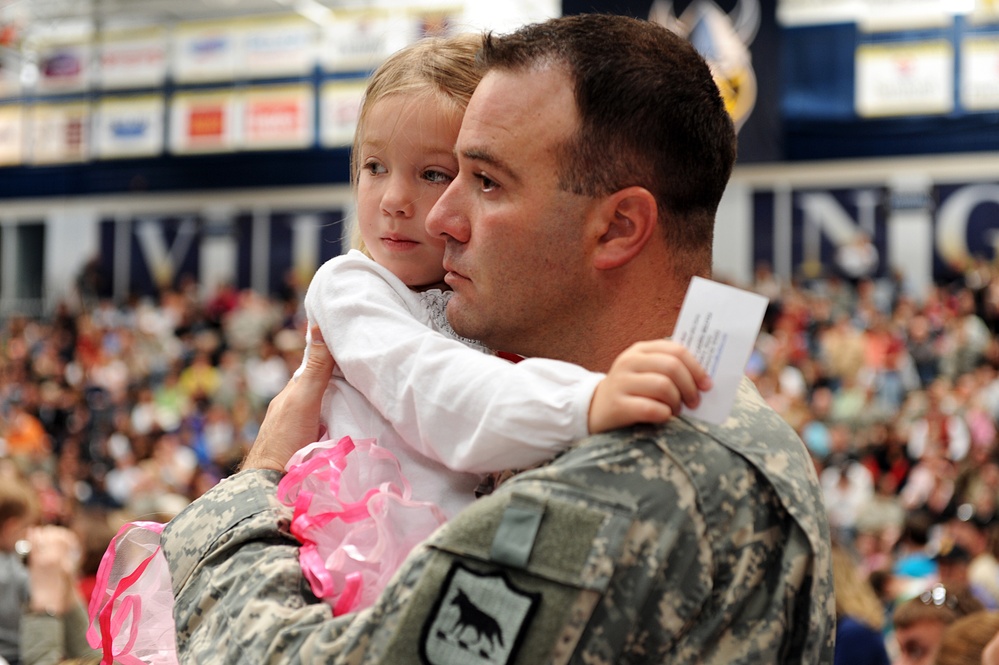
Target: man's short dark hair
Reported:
point(651, 115)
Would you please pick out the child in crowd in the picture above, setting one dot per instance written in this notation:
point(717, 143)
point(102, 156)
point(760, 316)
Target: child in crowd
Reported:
point(416, 413)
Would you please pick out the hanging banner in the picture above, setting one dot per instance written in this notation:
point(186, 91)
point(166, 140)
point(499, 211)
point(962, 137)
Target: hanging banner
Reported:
point(11, 135)
point(985, 12)
point(923, 232)
point(144, 254)
point(869, 15)
point(360, 42)
point(980, 73)
point(129, 127)
point(340, 102)
point(59, 133)
point(136, 59)
point(278, 117)
point(819, 12)
point(63, 67)
point(278, 47)
point(904, 78)
point(894, 15)
point(10, 75)
point(204, 52)
point(203, 122)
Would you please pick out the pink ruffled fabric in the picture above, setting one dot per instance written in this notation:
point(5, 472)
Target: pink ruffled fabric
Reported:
point(353, 513)
point(356, 518)
point(131, 609)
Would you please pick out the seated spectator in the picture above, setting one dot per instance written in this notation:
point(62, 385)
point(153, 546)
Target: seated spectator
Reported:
point(54, 625)
point(18, 507)
point(201, 379)
point(26, 437)
point(920, 622)
point(939, 432)
point(859, 615)
point(976, 536)
point(964, 642)
point(846, 485)
point(952, 566)
point(931, 488)
point(912, 561)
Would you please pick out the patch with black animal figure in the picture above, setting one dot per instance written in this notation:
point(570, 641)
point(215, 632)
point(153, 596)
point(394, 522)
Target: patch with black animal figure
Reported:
point(478, 619)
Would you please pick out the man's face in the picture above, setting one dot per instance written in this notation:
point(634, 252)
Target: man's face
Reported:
point(919, 642)
point(516, 249)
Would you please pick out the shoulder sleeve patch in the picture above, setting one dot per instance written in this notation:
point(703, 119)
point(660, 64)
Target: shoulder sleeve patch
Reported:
point(478, 619)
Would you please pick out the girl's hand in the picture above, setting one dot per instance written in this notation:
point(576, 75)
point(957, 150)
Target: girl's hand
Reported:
point(648, 383)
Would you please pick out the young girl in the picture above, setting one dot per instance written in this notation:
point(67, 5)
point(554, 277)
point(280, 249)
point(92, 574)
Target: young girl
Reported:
point(416, 413)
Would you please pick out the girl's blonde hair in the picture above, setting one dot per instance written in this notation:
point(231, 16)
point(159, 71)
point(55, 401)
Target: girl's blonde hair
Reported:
point(442, 68)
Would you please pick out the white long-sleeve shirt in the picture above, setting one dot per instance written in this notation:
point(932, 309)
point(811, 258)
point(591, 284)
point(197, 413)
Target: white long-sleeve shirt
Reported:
point(448, 412)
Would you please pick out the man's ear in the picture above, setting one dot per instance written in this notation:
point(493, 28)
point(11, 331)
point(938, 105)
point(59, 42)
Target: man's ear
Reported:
point(628, 218)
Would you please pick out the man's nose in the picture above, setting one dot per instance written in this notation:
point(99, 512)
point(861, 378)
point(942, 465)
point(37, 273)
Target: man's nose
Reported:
point(447, 218)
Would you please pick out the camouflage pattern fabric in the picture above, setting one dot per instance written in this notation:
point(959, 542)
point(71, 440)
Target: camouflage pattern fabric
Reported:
point(685, 543)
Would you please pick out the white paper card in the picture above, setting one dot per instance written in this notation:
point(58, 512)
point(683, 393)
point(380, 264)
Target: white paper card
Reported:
point(719, 324)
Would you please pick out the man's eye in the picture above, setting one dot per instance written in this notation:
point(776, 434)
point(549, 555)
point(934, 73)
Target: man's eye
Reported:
point(485, 182)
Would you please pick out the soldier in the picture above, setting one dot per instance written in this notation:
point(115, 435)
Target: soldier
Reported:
point(592, 157)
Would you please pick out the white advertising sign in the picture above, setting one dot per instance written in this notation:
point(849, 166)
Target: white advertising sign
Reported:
point(985, 11)
point(59, 133)
point(278, 117)
point(64, 67)
point(819, 12)
point(360, 42)
point(869, 15)
point(279, 47)
point(10, 75)
point(205, 52)
point(980, 73)
point(891, 15)
point(129, 127)
point(339, 105)
point(11, 135)
point(905, 78)
point(133, 60)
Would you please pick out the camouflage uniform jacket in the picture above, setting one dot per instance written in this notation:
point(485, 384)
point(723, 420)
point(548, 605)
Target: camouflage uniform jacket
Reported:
point(685, 543)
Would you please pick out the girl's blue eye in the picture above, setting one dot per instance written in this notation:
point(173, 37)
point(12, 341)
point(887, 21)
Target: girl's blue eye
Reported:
point(374, 168)
point(435, 176)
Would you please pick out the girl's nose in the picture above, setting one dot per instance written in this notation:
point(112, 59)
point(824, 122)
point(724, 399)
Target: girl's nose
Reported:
point(398, 198)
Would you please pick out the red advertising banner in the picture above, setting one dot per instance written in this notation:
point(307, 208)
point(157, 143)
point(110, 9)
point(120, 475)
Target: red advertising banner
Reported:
point(202, 122)
point(278, 117)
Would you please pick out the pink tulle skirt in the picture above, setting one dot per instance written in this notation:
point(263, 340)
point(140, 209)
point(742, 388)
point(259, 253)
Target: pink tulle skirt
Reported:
point(353, 513)
point(131, 609)
point(356, 518)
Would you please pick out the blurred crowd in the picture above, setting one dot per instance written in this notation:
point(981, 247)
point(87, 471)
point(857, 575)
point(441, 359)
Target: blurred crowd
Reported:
point(113, 412)
point(897, 399)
